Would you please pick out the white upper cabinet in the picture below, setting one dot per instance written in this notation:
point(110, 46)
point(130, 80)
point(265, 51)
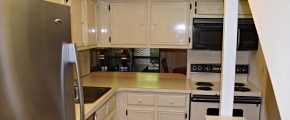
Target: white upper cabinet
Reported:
point(215, 9)
point(103, 24)
point(170, 23)
point(83, 20)
point(128, 23)
point(91, 22)
point(77, 22)
point(144, 24)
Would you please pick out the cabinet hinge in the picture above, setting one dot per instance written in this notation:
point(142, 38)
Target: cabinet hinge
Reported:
point(109, 7)
point(190, 6)
point(195, 10)
point(189, 40)
point(126, 112)
point(110, 39)
point(185, 115)
point(195, 4)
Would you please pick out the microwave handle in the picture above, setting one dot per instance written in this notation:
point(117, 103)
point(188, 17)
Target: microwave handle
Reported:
point(239, 40)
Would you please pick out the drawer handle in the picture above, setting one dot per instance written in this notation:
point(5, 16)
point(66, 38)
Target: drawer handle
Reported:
point(171, 102)
point(140, 101)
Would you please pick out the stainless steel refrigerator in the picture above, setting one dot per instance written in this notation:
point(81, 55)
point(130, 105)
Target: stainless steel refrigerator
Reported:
point(36, 61)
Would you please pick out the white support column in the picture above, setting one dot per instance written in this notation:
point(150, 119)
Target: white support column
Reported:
point(229, 56)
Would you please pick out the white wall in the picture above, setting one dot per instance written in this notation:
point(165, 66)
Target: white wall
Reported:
point(259, 76)
point(272, 22)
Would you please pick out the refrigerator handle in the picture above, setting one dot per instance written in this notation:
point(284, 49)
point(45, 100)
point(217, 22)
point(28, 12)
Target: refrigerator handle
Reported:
point(73, 58)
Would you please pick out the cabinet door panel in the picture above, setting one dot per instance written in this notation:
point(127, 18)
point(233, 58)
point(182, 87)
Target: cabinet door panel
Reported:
point(102, 112)
point(216, 7)
point(103, 20)
point(78, 16)
point(168, 115)
point(169, 22)
point(128, 23)
point(140, 114)
point(112, 116)
point(91, 22)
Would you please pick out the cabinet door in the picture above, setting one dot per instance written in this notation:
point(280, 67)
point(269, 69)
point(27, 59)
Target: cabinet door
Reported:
point(216, 7)
point(141, 114)
point(91, 22)
point(128, 23)
point(169, 23)
point(171, 115)
point(84, 58)
point(102, 113)
point(103, 21)
point(112, 116)
point(77, 21)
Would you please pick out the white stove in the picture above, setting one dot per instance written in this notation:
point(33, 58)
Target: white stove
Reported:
point(205, 95)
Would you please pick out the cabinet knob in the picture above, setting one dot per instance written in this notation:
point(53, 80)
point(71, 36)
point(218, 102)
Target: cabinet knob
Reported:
point(140, 101)
point(171, 102)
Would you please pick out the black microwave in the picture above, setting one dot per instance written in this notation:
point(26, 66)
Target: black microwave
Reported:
point(207, 34)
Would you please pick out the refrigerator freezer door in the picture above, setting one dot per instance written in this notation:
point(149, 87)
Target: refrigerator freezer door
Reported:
point(32, 86)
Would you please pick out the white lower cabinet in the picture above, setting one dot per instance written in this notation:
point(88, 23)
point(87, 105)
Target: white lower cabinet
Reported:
point(112, 116)
point(153, 106)
point(107, 111)
point(140, 114)
point(171, 115)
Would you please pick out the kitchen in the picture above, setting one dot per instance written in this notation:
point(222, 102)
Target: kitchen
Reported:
point(156, 95)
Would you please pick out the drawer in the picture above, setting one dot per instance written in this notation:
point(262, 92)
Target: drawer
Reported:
point(172, 100)
point(140, 99)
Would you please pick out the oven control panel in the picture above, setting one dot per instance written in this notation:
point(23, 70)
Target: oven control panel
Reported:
point(216, 68)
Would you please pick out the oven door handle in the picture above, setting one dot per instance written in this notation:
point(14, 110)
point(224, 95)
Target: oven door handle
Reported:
point(258, 101)
point(205, 100)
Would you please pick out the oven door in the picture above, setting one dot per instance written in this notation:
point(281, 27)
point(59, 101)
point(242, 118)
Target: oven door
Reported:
point(199, 109)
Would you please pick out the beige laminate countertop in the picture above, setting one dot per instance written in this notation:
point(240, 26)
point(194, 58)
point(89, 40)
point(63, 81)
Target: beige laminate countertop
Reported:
point(132, 81)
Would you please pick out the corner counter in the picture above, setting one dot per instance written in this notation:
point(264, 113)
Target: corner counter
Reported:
point(132, 81)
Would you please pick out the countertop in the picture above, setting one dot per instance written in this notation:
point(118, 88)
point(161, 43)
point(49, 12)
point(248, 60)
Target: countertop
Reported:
point(132, 81)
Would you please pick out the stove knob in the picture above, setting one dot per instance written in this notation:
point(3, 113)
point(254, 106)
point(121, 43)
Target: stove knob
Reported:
point(245, 69)
point(199, 68)
point(215, 68)
point(208, 68)
point(239, 69)
point(193, 68)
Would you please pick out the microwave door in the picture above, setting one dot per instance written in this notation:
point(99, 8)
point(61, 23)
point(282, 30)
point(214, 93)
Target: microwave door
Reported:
point(207, 38)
